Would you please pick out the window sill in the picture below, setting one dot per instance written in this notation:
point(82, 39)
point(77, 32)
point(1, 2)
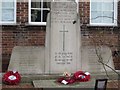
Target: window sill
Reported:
point(26, 25)
point(9, 24)
point(33, 25)
point(90, 25)
point(39, 25)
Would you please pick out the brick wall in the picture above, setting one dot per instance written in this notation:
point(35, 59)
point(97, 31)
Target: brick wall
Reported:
point(22, 12)
point(23, 34)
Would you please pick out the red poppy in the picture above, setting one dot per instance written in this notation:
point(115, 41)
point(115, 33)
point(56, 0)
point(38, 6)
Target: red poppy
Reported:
point(11, 78)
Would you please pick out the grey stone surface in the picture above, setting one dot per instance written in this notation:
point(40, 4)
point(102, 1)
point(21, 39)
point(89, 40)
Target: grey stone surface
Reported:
point(27, 59)
point(54, 84)
point(96, 75)
point(90, 57)
point(63, 38)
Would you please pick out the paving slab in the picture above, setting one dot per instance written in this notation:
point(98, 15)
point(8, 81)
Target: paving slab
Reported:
point(54, 84)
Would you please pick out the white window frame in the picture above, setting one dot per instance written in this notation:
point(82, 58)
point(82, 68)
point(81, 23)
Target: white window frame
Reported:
point(29, 18)
point(9, 22)
point(106, 24)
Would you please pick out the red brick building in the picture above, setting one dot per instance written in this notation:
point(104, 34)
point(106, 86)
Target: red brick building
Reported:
point(23, 23)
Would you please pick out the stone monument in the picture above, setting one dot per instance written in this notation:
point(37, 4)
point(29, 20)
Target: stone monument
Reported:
point(63, 51)
point(63, 38)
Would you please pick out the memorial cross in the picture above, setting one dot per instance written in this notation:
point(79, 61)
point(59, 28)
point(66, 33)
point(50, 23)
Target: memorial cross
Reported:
point(63, 31)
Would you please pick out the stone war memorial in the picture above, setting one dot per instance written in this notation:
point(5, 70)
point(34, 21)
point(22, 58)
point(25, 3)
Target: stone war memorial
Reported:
point(63, 50)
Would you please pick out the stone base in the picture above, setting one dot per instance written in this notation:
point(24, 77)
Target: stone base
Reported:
point(30, 78)
point(101, 75)
point(50, 79)
point(54, 84)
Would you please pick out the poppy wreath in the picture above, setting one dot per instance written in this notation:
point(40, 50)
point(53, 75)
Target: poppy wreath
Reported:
point(66, 80)
point(11, 78)
point(79, 76)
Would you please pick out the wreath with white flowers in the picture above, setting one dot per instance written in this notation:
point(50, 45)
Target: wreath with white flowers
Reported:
point(11, 78)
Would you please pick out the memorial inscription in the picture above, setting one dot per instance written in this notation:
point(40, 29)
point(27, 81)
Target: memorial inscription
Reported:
point(62, 13)
point(63, 57)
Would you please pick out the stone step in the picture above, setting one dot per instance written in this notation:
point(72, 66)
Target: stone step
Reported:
point(30, 78)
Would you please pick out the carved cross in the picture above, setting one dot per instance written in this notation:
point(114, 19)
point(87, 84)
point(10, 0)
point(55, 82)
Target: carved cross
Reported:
point(64, 31)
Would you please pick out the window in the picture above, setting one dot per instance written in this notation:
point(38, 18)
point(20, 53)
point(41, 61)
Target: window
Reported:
point(8, 11)
point(38, 12)
point(103, 12)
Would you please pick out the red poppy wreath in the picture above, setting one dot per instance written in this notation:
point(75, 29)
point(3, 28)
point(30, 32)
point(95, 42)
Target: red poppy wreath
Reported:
point(79, 76)
point(66, 79)
point(11, 78)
